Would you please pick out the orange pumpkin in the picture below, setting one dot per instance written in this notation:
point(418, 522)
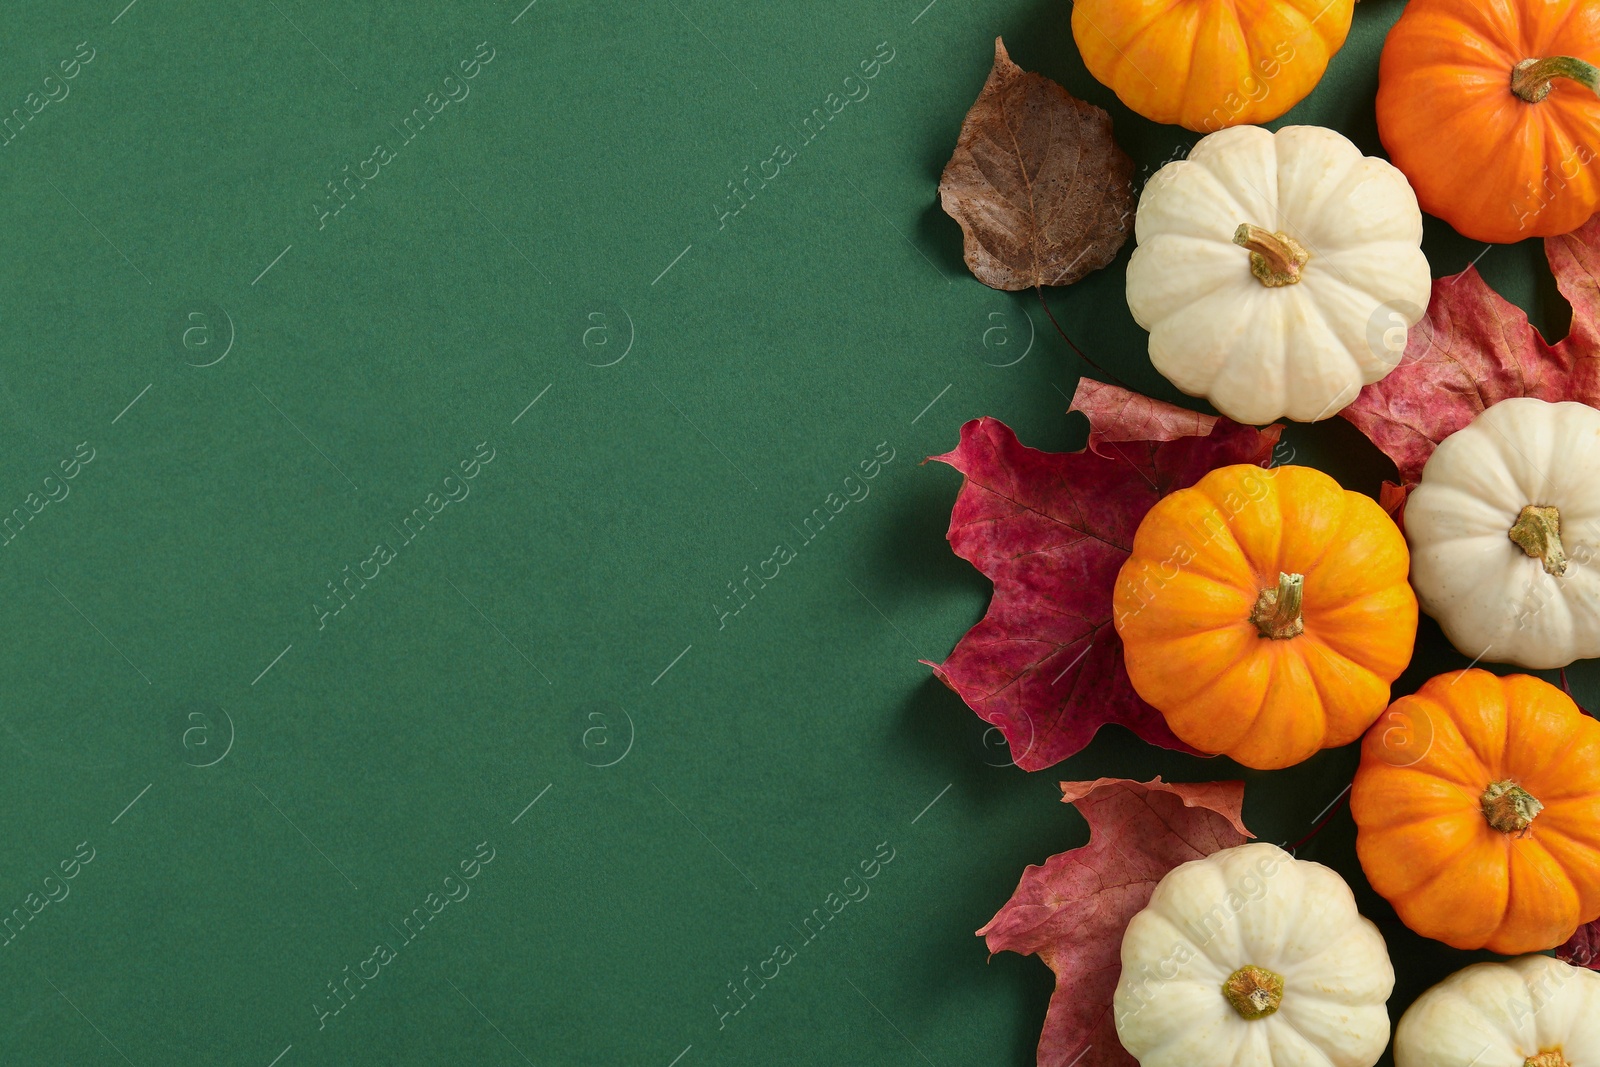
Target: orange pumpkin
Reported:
point(1207, 64)
point(1490, 108)
point(1265, 612)
point(1477, 807)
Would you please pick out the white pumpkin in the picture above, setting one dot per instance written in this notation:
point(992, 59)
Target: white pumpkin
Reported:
point(1533, 1011)
point(1252, 958)
point(1504, 530)
point(1277, 273)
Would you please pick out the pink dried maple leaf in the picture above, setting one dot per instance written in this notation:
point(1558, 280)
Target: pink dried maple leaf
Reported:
point(1051, 531)
point(1474, 349)
point(1072, 911)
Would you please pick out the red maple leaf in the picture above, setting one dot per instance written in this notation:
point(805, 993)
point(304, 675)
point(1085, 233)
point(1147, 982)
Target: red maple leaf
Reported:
point(1474, 349)
point(1051, 531)
point(1072, 911)
point(1582, 948)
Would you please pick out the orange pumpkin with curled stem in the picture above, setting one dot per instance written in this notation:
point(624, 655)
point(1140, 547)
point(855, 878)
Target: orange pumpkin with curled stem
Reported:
point(1492, 110)
point(1477, 807)
point(1265, 612)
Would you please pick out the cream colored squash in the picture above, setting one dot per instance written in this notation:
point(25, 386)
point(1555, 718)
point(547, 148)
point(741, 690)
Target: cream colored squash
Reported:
point(1532, 1011)
point(1277, 273)
point(1252, 958)
point(1504, 534)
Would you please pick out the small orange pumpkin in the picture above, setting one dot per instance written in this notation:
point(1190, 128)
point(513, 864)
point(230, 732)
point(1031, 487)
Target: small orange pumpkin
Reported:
point(1477, 807)
point(1491, 111)
point(1207, 64)
point(1265, 612)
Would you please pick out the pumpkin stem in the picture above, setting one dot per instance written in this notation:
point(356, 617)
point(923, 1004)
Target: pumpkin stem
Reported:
point(1275, 258)
point(1550, 1057)
point(1530, 79)
point(1509, 808)
point(1537, 532)
point(1277, 611)
point(1254, 993)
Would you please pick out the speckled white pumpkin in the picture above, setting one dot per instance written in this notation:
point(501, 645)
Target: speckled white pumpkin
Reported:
point(1235, 314)
point(1532, 1010)
point(1534, 600)
point(1199, 965)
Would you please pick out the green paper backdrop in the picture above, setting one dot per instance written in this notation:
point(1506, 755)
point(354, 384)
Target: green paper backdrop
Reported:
point(406, 512)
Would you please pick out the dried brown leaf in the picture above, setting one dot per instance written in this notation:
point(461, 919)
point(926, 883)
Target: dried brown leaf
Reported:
point(1041, 190)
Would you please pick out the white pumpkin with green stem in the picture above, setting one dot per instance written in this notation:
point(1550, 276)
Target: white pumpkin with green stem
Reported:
point(1532, 1011)
point(1252, 958)
point(1505, 532)
point(1277, 273)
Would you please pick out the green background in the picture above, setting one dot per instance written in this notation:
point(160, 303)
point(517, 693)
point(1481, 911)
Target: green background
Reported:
point(554, 636)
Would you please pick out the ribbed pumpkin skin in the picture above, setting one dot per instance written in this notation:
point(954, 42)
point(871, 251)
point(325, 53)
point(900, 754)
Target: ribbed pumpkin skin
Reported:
point(1184, 597)
point(1208, 64)
point(1421, 834)
point(1492, 165)
point(1504, 1015)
